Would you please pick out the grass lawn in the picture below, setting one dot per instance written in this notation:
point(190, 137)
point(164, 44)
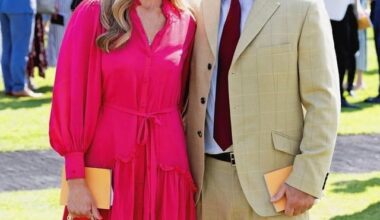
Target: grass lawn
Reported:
point(30, 205)
point(348, 197)
point(24, 121)
point(367, 119)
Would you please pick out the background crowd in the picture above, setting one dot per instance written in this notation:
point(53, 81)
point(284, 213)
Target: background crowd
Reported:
point(25, 24)
point(349, 21)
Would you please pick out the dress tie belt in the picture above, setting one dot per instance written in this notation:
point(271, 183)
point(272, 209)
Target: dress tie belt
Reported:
point(148, 119)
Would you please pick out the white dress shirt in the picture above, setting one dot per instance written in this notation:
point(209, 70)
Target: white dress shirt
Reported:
point(337, 8)
point(211, 146)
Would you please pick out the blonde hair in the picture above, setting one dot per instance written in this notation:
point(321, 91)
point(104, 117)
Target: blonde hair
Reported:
point(117, 22)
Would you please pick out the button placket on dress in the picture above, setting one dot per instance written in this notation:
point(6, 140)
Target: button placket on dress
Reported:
point(145, 137)
point(149, 120)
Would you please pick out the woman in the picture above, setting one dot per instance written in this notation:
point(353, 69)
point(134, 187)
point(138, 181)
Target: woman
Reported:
point(37, 54)
point(117, 104)
point(361, 57)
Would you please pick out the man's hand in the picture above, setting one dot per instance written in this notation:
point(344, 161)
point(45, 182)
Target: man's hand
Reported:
point(297, 202)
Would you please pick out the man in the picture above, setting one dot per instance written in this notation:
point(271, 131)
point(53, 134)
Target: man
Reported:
point(345, 33)
point(17, 28)
point(264, 94)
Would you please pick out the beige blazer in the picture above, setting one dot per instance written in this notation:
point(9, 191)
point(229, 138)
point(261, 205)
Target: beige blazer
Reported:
point(284, 95)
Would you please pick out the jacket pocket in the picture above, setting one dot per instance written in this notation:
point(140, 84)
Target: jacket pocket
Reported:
point(286, 144)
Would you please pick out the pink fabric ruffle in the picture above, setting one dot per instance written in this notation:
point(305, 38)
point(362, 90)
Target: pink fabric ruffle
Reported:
point(174, 197)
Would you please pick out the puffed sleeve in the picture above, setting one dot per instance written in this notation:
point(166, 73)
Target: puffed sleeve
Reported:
point(77, 89)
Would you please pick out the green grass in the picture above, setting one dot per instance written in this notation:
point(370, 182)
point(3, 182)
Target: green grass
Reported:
point(367, 119)
point(348, 197)
point(24, 121)
point(30, 205)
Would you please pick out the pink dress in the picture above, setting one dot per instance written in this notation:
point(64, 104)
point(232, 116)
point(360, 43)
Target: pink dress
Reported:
point(122, 110)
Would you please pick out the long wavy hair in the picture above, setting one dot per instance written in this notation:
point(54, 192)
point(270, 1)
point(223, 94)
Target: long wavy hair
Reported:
point(117, 22)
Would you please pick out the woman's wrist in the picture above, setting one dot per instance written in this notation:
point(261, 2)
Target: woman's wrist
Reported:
point(76, 182)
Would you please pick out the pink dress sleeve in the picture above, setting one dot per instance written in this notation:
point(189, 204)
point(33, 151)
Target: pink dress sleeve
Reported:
point(77, 89)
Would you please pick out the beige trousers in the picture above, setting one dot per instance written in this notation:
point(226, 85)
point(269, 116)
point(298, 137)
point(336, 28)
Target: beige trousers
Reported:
point(223, 198)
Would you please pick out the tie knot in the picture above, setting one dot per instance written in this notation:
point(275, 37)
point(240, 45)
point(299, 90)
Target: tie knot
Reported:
point(235, 2)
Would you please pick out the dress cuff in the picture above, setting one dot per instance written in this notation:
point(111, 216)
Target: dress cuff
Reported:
point(74, 163)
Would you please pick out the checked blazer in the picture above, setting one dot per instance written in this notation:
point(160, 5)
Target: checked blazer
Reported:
point(283, 91)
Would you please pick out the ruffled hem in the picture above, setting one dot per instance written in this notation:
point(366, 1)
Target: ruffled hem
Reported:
point(185, 174)
point(175, 198)
point(168, 194)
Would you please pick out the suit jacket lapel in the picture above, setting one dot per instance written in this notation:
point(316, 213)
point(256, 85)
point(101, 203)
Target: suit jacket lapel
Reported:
point(261, 12)
point(211, 14)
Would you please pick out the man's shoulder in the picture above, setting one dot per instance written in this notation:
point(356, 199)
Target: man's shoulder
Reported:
point(300, 6)
point(295, 3)
point(300, 1)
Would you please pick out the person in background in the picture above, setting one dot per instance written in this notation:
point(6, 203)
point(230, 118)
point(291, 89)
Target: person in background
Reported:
point(17, 22)
point(75, 4)
point(375, 17)
point(37, 54)
point(57, 30)
point(361, 57)
point(344, 28)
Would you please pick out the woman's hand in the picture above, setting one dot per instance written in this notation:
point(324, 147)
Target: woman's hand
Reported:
point(80, 202)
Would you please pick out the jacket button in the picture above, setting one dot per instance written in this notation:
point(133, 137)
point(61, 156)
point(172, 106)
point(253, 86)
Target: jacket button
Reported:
point(209, 66)
point(200, 134)
point(203, 100)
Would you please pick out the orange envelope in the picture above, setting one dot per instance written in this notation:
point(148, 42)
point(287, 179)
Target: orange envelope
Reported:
point(274, 180)
point(98, 181)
